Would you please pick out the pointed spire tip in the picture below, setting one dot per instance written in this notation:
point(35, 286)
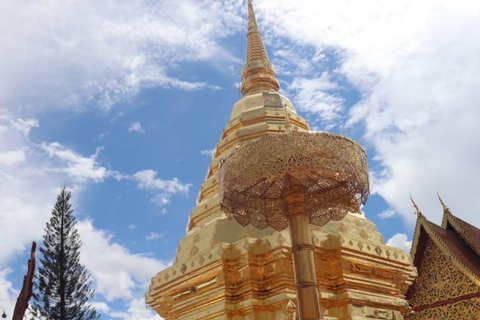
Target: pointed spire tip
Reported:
point(258, 74)
point(418, 212)
point(445, 208)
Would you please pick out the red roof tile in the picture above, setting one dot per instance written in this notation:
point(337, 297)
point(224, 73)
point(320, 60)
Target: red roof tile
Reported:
point(469, 233)
point(457, 249)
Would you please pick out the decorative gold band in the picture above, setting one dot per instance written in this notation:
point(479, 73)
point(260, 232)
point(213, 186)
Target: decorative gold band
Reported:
point(302, 246)
point(306, 285)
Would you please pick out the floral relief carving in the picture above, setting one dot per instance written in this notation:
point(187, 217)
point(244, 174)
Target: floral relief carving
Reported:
point(465, 309)
point(331, 168)
point(440, 280)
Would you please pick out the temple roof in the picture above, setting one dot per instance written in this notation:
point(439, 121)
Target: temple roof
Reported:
point(468, 233)
point(456, 248)
point(457, 239)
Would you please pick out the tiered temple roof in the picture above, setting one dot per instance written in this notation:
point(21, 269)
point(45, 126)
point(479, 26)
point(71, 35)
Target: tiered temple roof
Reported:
point(448, 262)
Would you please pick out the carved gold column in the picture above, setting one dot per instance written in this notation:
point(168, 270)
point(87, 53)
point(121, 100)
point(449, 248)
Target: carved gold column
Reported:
point(292, 180)
point(302, 250)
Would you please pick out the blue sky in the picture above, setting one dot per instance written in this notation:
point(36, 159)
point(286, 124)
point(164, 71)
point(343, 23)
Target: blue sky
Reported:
point(122, 103)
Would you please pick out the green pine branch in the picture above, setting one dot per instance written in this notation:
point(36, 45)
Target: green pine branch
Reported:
point(62, 288)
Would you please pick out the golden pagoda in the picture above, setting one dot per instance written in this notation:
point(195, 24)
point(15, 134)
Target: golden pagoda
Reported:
point(224, 270)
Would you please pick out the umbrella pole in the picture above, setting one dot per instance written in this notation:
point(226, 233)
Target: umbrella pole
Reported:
point(294, 198)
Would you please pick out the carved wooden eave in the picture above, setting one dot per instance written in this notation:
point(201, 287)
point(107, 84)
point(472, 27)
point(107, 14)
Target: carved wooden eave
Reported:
point(467, 232)
point(447, 240)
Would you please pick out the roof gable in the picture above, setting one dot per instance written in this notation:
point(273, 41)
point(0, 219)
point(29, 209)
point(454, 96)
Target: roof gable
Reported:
point(449, 243)
point(468, 233)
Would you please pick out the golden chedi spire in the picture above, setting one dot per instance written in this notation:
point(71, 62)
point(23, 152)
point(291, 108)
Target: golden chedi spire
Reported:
point(223, 270)
point(258, 74)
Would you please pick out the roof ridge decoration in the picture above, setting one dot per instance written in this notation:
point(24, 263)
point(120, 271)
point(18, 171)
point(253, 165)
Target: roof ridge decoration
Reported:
point(470, 236)
point(416, 234)
point(258, 74)
point(429, 228)
point(445, 208)
point(418, 212)
point(446, 212)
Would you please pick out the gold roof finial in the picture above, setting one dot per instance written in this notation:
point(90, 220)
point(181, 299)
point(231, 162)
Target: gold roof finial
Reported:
point(445, 208)
point(418, 212)
point(258, 74)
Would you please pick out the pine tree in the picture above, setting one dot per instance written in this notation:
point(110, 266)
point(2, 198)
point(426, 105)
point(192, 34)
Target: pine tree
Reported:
point(62, 288)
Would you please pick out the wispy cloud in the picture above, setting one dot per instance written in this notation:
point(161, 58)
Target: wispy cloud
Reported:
point(409, 83)
point(317, 96)
point(136, 127)
point(208, 152)
point(155, 236)
point(101, 136)
point(78, 168)
point(387, 214)
point(163, 189)
point(118, 51)
point(117, 272)
point(136, 310)
point(7, 293)
point(28, 191)
point(12, 157)
point(82, 170)
point(22, 124)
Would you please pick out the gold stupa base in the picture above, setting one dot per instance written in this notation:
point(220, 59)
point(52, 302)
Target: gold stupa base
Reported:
point(359, 277)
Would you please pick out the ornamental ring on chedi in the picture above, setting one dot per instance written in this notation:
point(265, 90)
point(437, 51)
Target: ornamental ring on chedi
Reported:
point(331, 169)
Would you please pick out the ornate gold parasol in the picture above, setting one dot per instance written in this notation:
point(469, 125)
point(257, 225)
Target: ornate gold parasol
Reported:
point(294, 179)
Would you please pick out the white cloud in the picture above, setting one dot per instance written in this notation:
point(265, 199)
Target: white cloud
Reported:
point(118, 273)
point(77, 167)
point(210, 153)
point(415, 67)
point(27, 193)
point(100, 306)
point(82, 170)
point(12, 157)
point(315, 96)
point(414, 64)
point(17, 123)
point(400, 241)
point(8, 294)
point(387, 214)
point(94, 53)
point(147, 180)
point(82, 54)
point(155, 236)
point(136, 127)
point(132, 227)
point(101, 136)
point(137, 310)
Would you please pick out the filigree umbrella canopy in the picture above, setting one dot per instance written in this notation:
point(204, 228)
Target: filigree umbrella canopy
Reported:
point(292, 180)
point(331, 168)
